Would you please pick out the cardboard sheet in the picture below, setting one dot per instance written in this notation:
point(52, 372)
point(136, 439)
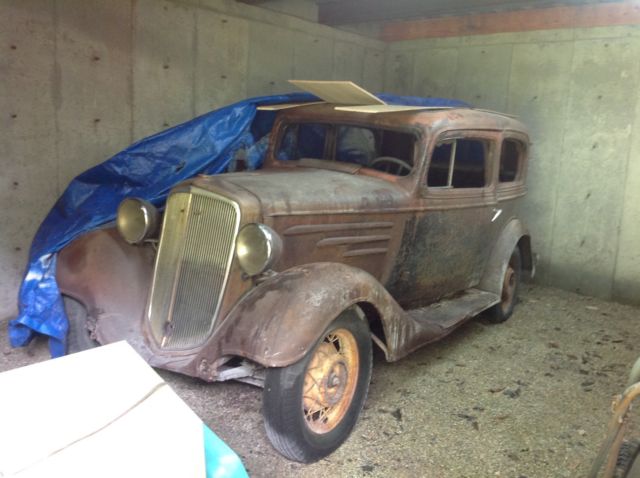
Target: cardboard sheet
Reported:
point(286, 106)
point(114, 416)
point(375, 109)
point(338, 92)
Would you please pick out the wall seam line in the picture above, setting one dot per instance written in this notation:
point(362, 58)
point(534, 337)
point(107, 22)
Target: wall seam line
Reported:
point(556, 175)
point(194, 61)
point(133, 10)
point(56, 76)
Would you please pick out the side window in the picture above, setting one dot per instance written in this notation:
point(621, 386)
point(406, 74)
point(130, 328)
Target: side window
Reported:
point(384, 150)
point(510, 160)
point(458, 163)
point(304, 140)
point(356, 145)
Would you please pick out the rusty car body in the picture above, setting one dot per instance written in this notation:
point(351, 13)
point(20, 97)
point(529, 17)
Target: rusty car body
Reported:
point(412, 243)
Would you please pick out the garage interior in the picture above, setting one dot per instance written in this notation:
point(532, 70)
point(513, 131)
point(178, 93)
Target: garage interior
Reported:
point(81, 80)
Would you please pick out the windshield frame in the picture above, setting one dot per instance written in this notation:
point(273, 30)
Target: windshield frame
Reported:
point(280, 127)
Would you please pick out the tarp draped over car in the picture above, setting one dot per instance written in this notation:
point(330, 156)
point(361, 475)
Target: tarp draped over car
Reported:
point(147, 169)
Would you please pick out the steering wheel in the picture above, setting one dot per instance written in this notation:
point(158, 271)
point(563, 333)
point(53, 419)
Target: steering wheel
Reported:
point(389, 161)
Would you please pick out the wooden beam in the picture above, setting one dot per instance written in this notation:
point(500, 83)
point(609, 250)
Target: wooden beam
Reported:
point(339, 12)
point(585, 16)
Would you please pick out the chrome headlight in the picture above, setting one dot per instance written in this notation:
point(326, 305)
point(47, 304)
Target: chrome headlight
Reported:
point(137, 220)
point(257, 248)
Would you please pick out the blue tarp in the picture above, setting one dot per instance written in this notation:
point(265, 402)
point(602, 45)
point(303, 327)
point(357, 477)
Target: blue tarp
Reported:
point(147, 169)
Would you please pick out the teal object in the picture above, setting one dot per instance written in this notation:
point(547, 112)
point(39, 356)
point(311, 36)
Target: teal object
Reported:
point(221, 461)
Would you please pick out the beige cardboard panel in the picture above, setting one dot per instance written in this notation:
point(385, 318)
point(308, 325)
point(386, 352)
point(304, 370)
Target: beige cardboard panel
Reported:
point(376, 109)
point(338, 92)
point(286, 106)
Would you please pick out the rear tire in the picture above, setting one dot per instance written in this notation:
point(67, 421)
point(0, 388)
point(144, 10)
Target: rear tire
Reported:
point(79, 335)
point(510, 287)
point(311, 407)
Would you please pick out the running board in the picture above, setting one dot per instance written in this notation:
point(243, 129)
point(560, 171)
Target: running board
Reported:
point(449, 313)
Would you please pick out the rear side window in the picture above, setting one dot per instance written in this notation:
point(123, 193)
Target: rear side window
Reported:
point(458, 163)
point(303, 140)
point(510, 160)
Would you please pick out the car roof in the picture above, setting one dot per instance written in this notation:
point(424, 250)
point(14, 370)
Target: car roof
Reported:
point(434, 119)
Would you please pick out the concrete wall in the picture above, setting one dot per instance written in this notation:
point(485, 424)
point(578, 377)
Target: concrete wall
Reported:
point(579, 92)
point(82, 79)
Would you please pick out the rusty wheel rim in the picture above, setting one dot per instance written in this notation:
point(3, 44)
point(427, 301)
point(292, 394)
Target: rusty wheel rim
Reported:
point(508, 288)
point(330, 381)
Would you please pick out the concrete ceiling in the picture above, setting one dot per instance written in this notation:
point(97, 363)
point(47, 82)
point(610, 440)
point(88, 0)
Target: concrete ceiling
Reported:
point(341, 12)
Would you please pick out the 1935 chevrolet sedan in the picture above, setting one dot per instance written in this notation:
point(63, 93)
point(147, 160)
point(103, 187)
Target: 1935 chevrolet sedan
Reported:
point(391, 228)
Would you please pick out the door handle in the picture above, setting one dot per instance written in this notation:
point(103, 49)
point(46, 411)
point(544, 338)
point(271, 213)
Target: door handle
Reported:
point(496, 213)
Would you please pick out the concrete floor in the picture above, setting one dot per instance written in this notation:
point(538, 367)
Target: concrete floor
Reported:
point(527, 398)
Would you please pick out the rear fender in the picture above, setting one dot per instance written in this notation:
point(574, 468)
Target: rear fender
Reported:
point(513, 235)
point(280, 320)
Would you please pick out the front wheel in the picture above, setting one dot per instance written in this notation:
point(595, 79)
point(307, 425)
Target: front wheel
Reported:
point(311, 407)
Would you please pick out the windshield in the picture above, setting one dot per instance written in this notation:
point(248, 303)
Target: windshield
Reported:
point(385, 150)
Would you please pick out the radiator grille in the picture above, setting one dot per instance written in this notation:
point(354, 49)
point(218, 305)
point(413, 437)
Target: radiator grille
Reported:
point(192, 266)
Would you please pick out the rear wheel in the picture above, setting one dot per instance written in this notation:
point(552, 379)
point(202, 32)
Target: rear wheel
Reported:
point(311, 407)
point(510, 287)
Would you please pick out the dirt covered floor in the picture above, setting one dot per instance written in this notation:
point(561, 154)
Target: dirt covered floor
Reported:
point(528, 398)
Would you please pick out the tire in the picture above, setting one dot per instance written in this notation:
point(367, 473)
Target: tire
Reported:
point(79, 334)
point(295, 429)
point(628, 465)
point(510, 287)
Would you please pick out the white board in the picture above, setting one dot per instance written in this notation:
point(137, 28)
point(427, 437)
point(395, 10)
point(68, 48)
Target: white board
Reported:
point(103, 412)
point(338, 92)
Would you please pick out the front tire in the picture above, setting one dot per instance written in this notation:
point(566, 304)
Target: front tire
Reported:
point(311, 407)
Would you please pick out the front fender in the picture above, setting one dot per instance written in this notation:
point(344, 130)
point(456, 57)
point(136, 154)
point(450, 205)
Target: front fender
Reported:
point(512, 234)
point(111, 279)
point(279, 321)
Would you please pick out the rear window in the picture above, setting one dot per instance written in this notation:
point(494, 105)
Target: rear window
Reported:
point(458, 163)
point(510, 160)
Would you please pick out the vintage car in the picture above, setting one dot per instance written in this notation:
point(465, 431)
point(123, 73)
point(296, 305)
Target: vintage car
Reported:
point(391, 229)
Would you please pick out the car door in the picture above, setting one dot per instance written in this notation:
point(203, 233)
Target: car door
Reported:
point(447, 243)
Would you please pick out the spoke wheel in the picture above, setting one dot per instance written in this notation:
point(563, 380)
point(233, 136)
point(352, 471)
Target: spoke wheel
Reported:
point(311, 406)
point(330, 381)
point(509, 293)
point(508, 289)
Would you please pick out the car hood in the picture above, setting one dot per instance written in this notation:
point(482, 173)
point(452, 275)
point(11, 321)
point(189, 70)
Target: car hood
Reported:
point(313, 191)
